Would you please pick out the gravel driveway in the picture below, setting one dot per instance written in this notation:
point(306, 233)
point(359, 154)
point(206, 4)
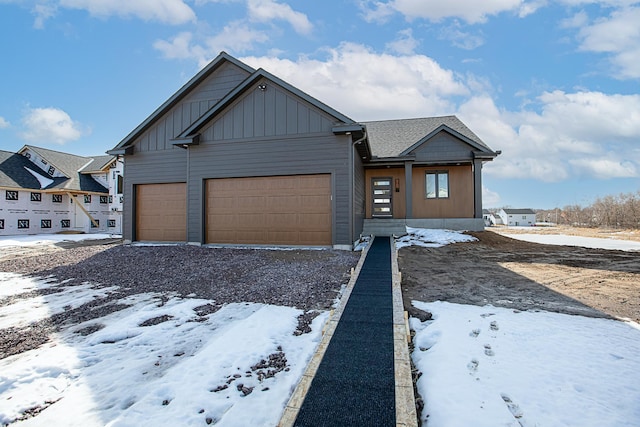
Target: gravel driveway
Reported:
point(306, 279)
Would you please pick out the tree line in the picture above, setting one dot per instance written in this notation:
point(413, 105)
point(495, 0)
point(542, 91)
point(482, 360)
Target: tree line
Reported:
point(621, 211)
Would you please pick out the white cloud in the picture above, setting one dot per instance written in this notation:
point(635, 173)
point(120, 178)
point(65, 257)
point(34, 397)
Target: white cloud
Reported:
point(581, 134)
point(459, 38)
point(404, 44)
point(173, 12)
point(471, 11)
point(50, 125)
point(269, 10)
point(490, 198)
point(619, 36)
point(236, 37)
point(4, 123)
point(358, 81)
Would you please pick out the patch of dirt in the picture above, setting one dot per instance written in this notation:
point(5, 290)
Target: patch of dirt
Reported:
point(514, 274)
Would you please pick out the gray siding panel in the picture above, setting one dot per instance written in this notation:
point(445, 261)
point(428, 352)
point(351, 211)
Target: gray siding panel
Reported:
point(181, 116)
point(297, 155)
point(150, 167)
point(443, 146)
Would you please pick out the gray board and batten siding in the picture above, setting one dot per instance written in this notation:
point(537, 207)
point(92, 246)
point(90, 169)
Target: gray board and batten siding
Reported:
point(261, 132)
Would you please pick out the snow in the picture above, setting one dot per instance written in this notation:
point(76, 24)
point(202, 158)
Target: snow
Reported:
point(43, 239)
point(481, 366)
point(43, 180)
point(586, 242)
point(431, 238)
point(126, 374)
point(488, 366)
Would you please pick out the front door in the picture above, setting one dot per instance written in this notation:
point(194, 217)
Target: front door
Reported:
point(381, 196)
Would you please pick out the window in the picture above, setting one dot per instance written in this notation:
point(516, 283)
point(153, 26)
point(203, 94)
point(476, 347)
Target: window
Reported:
point(111, 223)
point(36, 197)
point(119, 185)
point(87, 198)
point(104, 199)
point(11, 195)
point(23, 223)
point(437, 185)
point(56, 198)
point(95, 224)
point(65, 223)
point(51, 170)
point(1, 224)
point(45, 223)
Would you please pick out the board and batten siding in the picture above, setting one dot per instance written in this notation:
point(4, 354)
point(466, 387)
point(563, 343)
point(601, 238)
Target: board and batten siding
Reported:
point(359, 196)
point(443, 146)
point(191, 108)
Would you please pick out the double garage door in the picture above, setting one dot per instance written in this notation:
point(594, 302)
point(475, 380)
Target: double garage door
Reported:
point(280, 210)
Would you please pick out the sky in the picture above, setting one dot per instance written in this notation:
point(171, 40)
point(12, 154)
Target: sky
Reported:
point(553, 85)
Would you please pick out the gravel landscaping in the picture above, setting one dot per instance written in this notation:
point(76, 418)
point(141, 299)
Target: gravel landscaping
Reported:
point(306, 279)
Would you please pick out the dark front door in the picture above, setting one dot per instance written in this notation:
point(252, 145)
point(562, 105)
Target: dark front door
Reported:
point(381, 197)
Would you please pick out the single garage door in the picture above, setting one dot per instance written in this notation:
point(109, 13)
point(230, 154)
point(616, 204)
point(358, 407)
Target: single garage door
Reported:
point(161, 212)
point(281, 210)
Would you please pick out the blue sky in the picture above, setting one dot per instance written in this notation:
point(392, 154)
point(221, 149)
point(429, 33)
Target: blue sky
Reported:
point(554, 85)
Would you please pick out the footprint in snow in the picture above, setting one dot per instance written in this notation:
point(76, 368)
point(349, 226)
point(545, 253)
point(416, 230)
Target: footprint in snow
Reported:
point(494, 326)
point(483, 315)
point(473, 366)
point(488, 351)
point(474, 333)
point(513, 408)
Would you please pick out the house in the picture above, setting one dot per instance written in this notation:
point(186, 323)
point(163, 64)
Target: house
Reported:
point(239, 156)
point(518, 217)
point(491, 218)
point(47, 191)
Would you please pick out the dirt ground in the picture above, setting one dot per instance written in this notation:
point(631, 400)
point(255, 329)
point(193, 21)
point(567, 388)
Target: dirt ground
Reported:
point(505, 272)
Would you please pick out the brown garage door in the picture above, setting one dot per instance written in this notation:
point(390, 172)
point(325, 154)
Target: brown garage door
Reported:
point(161, 212)
point(281, 210)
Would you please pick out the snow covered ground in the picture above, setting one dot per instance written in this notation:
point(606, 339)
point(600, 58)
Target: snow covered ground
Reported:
point(182, 371)
point(42, 239)
point(482, 366)
point(586, 242)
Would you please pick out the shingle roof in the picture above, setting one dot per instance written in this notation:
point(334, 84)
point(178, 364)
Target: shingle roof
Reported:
point(519, 211)
point(70, 165)
point(13, 172)
point(98, 164)
point(391, 138)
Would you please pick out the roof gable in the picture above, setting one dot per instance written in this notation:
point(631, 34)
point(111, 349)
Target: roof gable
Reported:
point(14, 173)
point(397, 138)
point(277, 91)
point(187, 93)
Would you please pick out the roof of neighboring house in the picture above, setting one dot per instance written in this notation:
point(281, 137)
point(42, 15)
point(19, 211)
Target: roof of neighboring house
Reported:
point(519, 211)
point(14, 173)
point(98, 164)
point(72, 167)
point(392, 138)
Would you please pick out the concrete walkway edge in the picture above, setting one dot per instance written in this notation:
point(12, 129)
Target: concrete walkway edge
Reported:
point(405, 403)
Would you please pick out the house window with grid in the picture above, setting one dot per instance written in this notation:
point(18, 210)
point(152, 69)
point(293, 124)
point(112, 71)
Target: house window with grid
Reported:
point(36, 197)
point(23, 223)
point(11, 195)
point(56, 198)
point(87, 198)
point(437, 184)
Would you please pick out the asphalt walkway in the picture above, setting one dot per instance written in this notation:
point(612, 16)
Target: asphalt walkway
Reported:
point(354, 384)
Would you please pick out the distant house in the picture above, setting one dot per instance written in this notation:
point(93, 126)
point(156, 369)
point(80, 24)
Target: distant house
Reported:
point(47, 191)
point(491, 218)
point(518, 217)
point(239, 156)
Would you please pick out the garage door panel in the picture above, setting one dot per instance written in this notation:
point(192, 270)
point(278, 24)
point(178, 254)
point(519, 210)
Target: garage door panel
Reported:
point(161, 212)
point(269, 210)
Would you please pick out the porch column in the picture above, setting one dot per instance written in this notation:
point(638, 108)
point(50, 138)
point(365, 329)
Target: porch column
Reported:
point(477, 188)
point(408, 179)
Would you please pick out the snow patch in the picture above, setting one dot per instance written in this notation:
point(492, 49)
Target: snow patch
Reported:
point(431, 238)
